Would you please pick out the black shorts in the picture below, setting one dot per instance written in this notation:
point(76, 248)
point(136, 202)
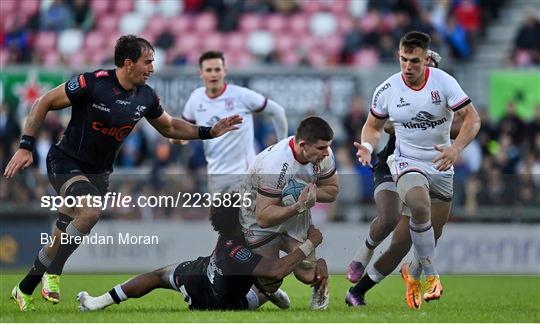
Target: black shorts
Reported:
point(62, 169)
point(200, 293)
point(381, 173)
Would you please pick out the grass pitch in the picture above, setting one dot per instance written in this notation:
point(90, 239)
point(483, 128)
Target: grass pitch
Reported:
point(465, 299)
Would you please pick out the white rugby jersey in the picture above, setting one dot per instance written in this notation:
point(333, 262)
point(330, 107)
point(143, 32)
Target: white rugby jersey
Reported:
point(422, 118)
point(270, 173)
point(234, 152)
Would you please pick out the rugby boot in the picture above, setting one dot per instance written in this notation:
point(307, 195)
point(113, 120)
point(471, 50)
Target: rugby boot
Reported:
point(354, 300)
point(413, 288)
point(25, 302)
point(279, 298)
point(433, 288)
point(50, 287)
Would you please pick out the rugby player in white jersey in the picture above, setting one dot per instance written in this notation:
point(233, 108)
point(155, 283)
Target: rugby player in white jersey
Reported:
point(270, 224)
point(420, 101)
point(229, 157)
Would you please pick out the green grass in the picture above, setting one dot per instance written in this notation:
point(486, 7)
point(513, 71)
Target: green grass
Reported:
point(465, 299)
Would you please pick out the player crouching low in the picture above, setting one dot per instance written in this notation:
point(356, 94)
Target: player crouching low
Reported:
point(222, 281)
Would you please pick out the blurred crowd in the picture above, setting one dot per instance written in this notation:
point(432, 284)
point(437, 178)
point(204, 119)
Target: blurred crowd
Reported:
point(291, 32)
point(526, 49)
point(501, 167)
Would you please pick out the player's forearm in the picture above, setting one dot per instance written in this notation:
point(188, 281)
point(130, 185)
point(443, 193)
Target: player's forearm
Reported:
point(327, 193)
point(36, 117)
point(279, 118)
point(274, 215)
point(370, 134)
point(181, 129)
point(288, 263)
point(468, 131)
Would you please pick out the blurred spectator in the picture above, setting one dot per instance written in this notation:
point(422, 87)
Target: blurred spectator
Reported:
point(527, 41)
point(512, 124)
point(83, 18)
point(9, 134)
point(258, 6)
point(355, 119)
point(56, 17)
point(456, 37)
point(228, 13)
point(17, 41)
point(165, 40)
point(352, 41)
point(193, 6)
point(467, 14)
point(285, 7)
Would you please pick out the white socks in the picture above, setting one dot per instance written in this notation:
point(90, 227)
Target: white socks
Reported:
point(423, 239)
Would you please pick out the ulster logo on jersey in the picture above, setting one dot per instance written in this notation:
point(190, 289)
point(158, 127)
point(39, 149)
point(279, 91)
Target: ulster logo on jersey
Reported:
point(435, 97)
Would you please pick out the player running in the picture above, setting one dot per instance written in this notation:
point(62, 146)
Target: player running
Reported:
point(386, 200)
point(420, 102)
point(222, 281)
point(106, 106)
point(229, 157)
point(272, 223)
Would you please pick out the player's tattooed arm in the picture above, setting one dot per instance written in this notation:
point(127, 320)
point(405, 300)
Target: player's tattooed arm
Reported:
point(52, 100)
point(178, 128)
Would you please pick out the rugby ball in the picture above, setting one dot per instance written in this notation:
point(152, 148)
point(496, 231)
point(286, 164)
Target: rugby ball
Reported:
point(291, 192)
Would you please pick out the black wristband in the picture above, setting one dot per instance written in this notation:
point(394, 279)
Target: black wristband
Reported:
point(27, 142)
point(204, 132)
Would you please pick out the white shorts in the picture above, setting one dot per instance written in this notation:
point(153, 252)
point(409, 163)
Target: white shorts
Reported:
point(441, 186)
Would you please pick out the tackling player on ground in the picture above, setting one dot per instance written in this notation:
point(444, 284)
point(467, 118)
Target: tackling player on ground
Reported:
point(222, 281)
point(106, 105)
point(420, 102)
point(270, 224)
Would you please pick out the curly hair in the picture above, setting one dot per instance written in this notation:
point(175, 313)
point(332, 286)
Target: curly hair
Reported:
point(225, 220)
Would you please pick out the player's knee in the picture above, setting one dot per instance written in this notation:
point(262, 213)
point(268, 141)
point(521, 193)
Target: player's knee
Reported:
point(389, 223)
point(419, 209)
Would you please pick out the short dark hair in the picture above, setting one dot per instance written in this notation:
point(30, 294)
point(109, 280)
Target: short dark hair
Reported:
point(415, 39)
point(312, 129)
point(208, 55)
point(130, 47)
point(225, 220)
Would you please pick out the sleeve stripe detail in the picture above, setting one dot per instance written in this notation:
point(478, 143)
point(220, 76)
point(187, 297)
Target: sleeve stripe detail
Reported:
point(462, 104)
point(265, 102)
point(188, 120)
point(269, 194)
point(328, 174)
point(377, 115)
